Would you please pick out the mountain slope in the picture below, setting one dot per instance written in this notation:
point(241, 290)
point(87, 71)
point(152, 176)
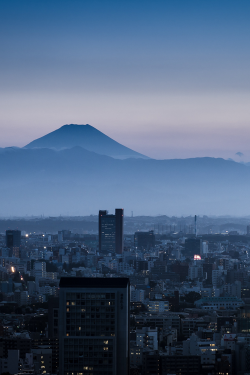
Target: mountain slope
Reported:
point(79, 182)
point(85, 136)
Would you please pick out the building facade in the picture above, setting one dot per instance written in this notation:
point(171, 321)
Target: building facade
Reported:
point(13, 238)
point(193, 246)
point(158, 306)
point(94, 326)
point(144, 240)
point(111, 231)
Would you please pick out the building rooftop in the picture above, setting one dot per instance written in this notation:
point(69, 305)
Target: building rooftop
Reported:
point(219, 299)
point(91, 282)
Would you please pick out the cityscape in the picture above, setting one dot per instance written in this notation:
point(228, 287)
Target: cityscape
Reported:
point(124, 187)
point(166, 300)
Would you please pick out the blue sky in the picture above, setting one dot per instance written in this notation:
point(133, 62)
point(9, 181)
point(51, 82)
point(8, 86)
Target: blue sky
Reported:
point(170, 79)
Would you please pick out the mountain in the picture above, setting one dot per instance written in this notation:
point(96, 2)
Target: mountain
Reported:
point(85, 136)
point(76, 181)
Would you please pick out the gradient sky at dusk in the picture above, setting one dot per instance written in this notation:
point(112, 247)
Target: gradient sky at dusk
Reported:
point(169, 79)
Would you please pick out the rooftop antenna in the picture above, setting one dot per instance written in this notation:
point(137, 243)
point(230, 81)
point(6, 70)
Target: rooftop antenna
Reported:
point(195, 225)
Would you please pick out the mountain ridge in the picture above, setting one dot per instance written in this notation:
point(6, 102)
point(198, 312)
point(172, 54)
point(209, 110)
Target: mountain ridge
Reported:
point(87, 137)
point(77, 181)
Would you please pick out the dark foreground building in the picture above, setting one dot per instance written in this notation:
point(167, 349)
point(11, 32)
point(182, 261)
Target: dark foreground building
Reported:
point(94, 326)
point(111, 231)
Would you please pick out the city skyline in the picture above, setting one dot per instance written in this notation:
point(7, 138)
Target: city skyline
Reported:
point(125, 174)
point(169, 79)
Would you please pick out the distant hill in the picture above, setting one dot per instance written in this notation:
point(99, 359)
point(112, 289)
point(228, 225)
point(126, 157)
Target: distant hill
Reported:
point(79, 182)
point(85, 136)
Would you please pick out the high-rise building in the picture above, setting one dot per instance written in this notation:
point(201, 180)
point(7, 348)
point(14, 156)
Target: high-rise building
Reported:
point(119, 230)
point(13, 238)
point(111, 231)
point(144, 240)
point(94, 326)
point(193, 246)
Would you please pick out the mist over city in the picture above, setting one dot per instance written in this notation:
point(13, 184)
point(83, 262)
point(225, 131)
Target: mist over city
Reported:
point(124, 187)
point(76, 169)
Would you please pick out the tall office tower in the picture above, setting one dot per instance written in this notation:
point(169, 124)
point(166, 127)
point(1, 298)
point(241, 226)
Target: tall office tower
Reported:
point(111, 231)
point(144, 240)
point(13, 238)
point(119, 230)
point(193, 246)
point(94, 326)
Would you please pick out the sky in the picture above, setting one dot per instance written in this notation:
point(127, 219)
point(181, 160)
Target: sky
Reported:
point(169, 79)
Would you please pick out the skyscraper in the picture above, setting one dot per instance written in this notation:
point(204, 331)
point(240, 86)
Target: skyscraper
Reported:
point(119, 230)
point(111, 231)
point(94, 326)
point(13, 238)
point(144, 240)
point(193, 246)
